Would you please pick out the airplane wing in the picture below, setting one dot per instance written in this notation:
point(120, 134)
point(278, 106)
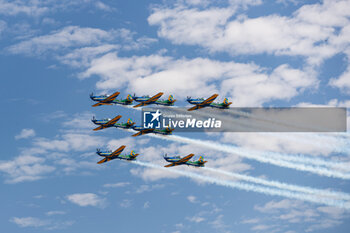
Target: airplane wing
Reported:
point(114, 120)
point(104, 160)
point(99, 104)
point(150, 100)
point(142, 132)
point(204, 103)
point(195, 107)
point(171, 165)
point(185, 159)
point(111, 122)
point(111, 97)
point(117, 151)
point(108, 99)
point(209, 100)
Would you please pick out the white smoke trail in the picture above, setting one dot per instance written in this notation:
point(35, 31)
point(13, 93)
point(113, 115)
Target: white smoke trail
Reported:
point(298, 162)
point(281, 185)
point(254, 188)
point(264, 157)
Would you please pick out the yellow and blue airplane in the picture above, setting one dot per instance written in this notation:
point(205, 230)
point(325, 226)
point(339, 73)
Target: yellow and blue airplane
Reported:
point(109, 155)
point(177, 160)
point(143, 131)
point(201, 103)
point(146, 100)
point(111, 99)
point(107, 123)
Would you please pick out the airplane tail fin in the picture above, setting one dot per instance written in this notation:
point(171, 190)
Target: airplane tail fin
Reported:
point(129, 98)
point(169, 130)
point(133, 154)
point(201, 160)
point(130, 122)
point(226, 103)
point(171, 99)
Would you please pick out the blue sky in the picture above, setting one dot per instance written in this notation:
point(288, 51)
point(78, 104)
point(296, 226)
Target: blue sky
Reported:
point(257, 53)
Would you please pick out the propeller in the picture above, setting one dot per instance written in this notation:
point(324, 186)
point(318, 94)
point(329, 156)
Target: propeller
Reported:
point(92, 94)
point(98, 150)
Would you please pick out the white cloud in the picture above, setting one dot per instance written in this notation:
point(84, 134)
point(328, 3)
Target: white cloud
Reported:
point(87, 199)
point(192, 199)
point(36, 8)
point(116, 185)
point(343, 81)
point(293, 143)
point(196, 219)
point(305, 33)
point(148, 188)
point(146, 205)
point(291, 212)
point(79, 121)
point(126, 203)
point(102, 6)
point(79, 44)
point(25, 133)
point(31, 8)
point(3, 26)
point(29, 222)
point(36, 222)
point(246, 84)
point(55, 212)
point(70, 36)
point(69, 142)
point(25, 168)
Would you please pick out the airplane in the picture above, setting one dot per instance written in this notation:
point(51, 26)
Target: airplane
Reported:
point(177, 160)
point(103, 99)
point(109, 100)
point(201, 103)
point(109, 155)
point(106, 123)
point(142, 131)
point(146, 100)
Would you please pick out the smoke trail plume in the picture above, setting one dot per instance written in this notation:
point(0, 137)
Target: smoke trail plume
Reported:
point(254, 188)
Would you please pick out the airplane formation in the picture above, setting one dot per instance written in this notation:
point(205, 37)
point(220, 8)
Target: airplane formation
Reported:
point(129, 124)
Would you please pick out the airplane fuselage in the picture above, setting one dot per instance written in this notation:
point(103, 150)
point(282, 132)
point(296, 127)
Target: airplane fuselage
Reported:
point(122, 102)
point(122, 157)
point(117, 125)
point(188, 163)
point(164, 102)
point(98, 97)
point(213, 105)
point(123, 126)
point(156, 131)
point(195, 101)
point(141, 98)
point(100, 122)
